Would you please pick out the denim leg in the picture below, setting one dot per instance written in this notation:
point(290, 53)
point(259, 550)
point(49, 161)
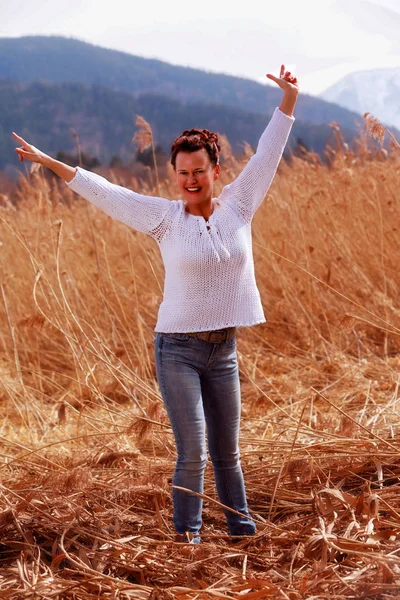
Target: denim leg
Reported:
point(179, 383)
point(221, 400)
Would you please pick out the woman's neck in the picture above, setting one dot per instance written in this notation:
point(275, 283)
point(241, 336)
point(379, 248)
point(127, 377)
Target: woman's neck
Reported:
point(200, 210)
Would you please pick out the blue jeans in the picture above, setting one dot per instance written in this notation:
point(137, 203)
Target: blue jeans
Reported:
point(200, 387)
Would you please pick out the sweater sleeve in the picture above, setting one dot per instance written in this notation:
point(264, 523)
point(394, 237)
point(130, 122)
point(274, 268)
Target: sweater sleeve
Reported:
point(248, 190)
point(143, 213)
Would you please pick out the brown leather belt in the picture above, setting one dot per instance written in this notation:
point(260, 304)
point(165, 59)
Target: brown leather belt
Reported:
point(215, 337)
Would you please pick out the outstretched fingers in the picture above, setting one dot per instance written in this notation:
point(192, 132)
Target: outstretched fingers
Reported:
point(20, 139)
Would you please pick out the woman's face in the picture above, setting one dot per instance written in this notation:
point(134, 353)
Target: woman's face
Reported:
point(195, 176)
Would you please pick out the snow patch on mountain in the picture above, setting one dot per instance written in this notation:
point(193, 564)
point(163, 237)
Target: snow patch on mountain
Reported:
point(376, 91)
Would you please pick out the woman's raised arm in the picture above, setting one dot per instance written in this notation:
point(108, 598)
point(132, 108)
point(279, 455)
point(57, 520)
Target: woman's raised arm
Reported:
point(149, 214)
point(35, 155)
point(248, 190)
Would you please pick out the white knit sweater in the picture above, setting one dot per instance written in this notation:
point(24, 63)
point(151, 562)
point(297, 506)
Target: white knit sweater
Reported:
point(209, 273)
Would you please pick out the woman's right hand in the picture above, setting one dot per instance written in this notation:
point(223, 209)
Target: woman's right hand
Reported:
point(30, 152)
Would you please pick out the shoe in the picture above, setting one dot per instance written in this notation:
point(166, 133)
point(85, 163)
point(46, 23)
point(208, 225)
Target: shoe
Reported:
point(188, 538)
point(235, 539)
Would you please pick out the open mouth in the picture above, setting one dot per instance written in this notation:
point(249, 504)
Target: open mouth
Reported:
point(193, 190)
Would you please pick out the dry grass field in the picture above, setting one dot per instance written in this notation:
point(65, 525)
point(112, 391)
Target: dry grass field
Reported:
point(87, 453)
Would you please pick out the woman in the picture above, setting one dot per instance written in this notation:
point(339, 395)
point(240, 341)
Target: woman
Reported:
point(209, 291)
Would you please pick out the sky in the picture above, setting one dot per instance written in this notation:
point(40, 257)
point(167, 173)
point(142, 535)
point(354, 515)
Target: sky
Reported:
point(320, 41)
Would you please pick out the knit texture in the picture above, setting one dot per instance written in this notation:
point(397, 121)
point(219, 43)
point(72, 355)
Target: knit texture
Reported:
point(209, 268)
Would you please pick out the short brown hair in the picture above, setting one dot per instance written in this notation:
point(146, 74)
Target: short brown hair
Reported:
point(192, 140)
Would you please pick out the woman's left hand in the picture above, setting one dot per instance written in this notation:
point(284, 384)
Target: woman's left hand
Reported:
point(286, 81)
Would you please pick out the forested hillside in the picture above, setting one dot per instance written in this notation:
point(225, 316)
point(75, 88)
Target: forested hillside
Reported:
point(47, 114)
point(51, 86)
point(59, 59)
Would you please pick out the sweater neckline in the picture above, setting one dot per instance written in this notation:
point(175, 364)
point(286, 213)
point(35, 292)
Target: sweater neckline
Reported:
point(199, 217)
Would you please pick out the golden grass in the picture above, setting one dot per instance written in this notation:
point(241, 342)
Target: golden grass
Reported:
point(87, 450)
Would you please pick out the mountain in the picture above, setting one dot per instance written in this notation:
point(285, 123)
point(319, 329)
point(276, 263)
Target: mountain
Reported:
point(50, 85)
point(59, 59)
point(45, 114)
point(376, 91)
